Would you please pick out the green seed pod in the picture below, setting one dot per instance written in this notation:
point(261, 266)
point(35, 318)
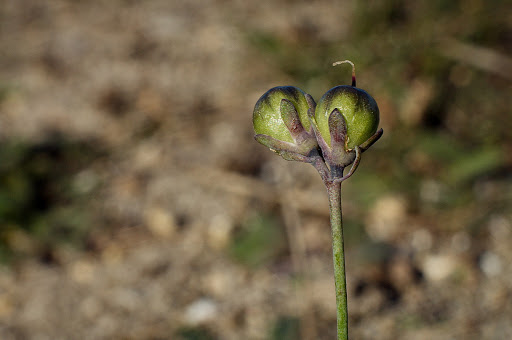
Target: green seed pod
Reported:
point(359, 109)
point(268, 113)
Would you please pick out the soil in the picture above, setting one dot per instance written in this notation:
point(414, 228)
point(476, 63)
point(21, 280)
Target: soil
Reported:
point(162, 92)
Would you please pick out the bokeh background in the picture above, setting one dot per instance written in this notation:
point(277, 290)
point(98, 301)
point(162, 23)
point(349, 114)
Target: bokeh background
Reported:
point(135, 204)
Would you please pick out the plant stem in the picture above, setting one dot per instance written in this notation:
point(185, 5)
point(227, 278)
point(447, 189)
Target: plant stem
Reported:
point(334, 192)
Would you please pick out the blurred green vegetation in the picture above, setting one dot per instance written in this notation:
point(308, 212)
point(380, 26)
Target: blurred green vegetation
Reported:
point(44, 195)
point(286, 328)
point(199, 333)
point(260, 239)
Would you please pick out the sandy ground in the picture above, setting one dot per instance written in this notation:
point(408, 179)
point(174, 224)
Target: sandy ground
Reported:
point(166, 90)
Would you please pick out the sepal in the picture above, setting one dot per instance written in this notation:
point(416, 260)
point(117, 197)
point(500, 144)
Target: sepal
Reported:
point(291, 118)
point(370, 141)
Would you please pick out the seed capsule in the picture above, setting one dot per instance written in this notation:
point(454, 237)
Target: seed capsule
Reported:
point(359, 109)
point(270, 110)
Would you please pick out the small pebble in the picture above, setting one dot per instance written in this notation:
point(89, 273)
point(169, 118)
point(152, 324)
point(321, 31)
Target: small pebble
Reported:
point(490, 264)
point(200, 311)
point(438, 267)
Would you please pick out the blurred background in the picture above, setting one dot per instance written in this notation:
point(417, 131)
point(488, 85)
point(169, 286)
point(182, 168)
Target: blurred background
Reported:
point(135, 204)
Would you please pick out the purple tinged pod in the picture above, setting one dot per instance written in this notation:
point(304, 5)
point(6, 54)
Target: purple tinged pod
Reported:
point(359, 109)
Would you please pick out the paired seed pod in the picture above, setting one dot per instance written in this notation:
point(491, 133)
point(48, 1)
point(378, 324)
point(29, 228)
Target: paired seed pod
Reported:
point(338, 129)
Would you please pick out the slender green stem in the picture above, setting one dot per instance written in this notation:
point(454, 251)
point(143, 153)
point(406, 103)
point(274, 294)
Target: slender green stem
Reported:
point(334, 192)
